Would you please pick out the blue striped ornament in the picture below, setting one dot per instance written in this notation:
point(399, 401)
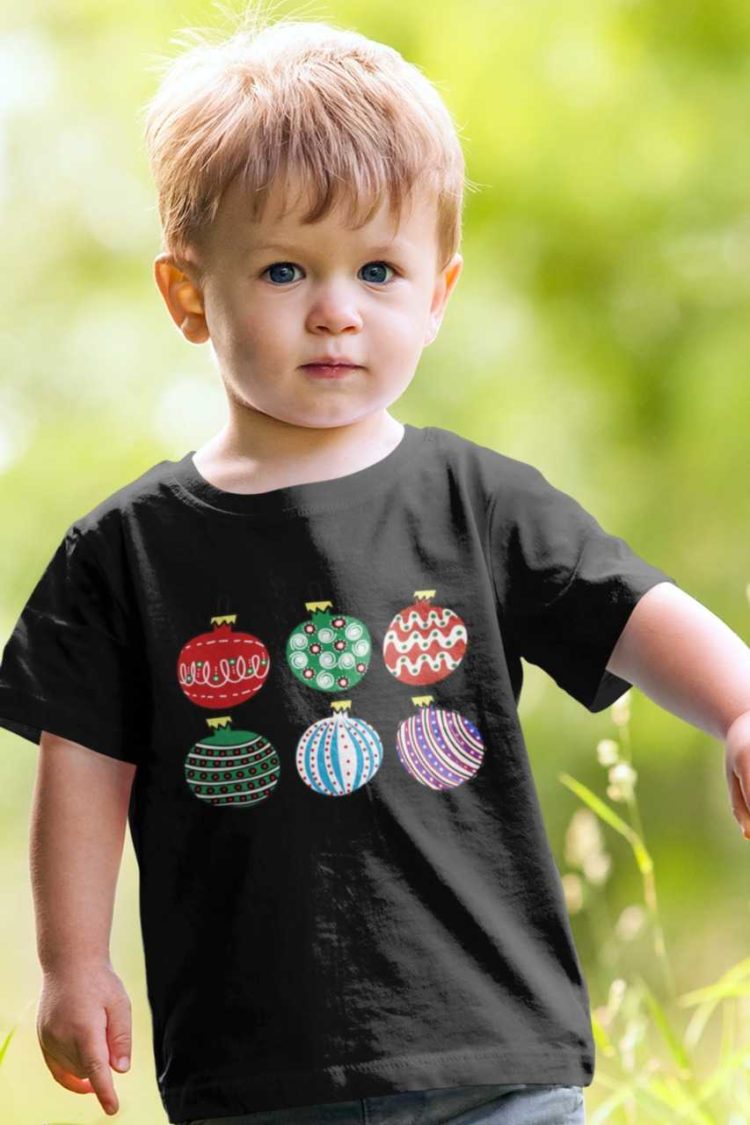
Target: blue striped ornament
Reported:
point(339, 754)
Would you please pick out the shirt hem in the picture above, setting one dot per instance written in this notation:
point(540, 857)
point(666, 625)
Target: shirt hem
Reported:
point(285, 1090)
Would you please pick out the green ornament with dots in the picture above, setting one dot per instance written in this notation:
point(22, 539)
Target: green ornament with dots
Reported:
point(329, 651)
point(232, 768)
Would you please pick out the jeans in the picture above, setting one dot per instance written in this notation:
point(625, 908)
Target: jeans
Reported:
point(519, 1104)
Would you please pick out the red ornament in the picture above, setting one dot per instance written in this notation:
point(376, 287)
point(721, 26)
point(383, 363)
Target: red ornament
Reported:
point(222, 668)
point(424, 643)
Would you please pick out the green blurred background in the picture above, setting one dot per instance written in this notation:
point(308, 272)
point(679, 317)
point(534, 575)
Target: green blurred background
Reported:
point(599, 331)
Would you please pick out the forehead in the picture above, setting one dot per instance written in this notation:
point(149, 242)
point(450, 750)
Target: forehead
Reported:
point(281, 223)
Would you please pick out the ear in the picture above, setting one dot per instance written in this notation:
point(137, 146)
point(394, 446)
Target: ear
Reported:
point(182, 296)
point(444, 286)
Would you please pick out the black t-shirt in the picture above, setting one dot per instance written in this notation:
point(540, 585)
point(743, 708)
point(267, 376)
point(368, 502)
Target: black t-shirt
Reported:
point(346, 887)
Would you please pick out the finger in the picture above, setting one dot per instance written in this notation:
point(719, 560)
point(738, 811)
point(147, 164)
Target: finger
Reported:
point(740, 810)
point(96, 1065)
point(742, 774)
point(119, 1032)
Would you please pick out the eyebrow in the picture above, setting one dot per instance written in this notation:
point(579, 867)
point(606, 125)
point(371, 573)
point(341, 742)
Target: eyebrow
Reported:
point(382, 248)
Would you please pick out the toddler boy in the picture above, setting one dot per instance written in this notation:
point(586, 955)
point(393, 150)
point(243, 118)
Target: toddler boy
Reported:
point(292, 657)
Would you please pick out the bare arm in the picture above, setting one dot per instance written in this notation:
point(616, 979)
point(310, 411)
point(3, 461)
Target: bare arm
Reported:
point(691, 663)
point(79, 815)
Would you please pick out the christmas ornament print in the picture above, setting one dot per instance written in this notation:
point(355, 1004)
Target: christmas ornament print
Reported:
point(339, 754)
point(329, 651)
point(439, 748)
point(232, 767)
point(222, 668)
point(424, 643)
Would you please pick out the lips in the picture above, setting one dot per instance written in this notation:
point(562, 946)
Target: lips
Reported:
point(326, 361)
point(330, 370)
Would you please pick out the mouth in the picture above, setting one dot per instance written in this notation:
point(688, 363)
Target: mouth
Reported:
point(330, 370)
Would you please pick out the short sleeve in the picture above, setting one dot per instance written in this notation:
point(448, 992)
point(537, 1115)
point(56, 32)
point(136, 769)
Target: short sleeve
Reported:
point(566, 586)
point(68, 666)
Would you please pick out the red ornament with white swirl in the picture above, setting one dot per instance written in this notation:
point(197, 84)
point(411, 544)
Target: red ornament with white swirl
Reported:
point(222, 668)
point(441, 749)
point(424, 643)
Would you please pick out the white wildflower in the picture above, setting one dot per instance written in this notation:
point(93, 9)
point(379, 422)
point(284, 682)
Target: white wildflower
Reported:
point(623, 777)
point(607, 752)
point(630, 923)
point(596, 867)
point(617, 992)
point(573, 890)
point(583, 837)
point(620, 710)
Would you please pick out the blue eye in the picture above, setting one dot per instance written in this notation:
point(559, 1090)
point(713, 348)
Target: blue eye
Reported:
point(378, 265)
point(292, 266)
point(280, 266)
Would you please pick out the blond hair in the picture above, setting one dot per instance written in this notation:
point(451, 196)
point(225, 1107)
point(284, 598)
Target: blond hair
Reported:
point(347, 114)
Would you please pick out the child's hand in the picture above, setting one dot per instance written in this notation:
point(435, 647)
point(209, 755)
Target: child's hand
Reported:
point(737, 766)
point(83, 1027)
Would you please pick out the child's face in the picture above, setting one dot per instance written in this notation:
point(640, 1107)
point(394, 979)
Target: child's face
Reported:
point(373, 296)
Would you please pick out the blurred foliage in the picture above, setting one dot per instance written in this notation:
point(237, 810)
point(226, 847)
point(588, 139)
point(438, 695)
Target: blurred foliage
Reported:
point(599, 331)
point(654, 1063)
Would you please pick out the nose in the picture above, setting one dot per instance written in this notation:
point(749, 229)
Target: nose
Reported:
point(334, 309)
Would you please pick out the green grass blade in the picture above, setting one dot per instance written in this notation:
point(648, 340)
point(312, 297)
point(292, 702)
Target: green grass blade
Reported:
point(605, 813)
point(663, 1025)
point(6, 1041)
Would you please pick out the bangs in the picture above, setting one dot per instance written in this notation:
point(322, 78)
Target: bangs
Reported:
point(345, 117)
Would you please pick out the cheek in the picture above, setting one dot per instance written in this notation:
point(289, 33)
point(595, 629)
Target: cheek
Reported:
point(399, 321)
point(268, 325)
point(252, 327)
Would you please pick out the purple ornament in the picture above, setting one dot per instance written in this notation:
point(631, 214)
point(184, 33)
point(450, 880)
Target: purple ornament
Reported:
point(439, 748)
